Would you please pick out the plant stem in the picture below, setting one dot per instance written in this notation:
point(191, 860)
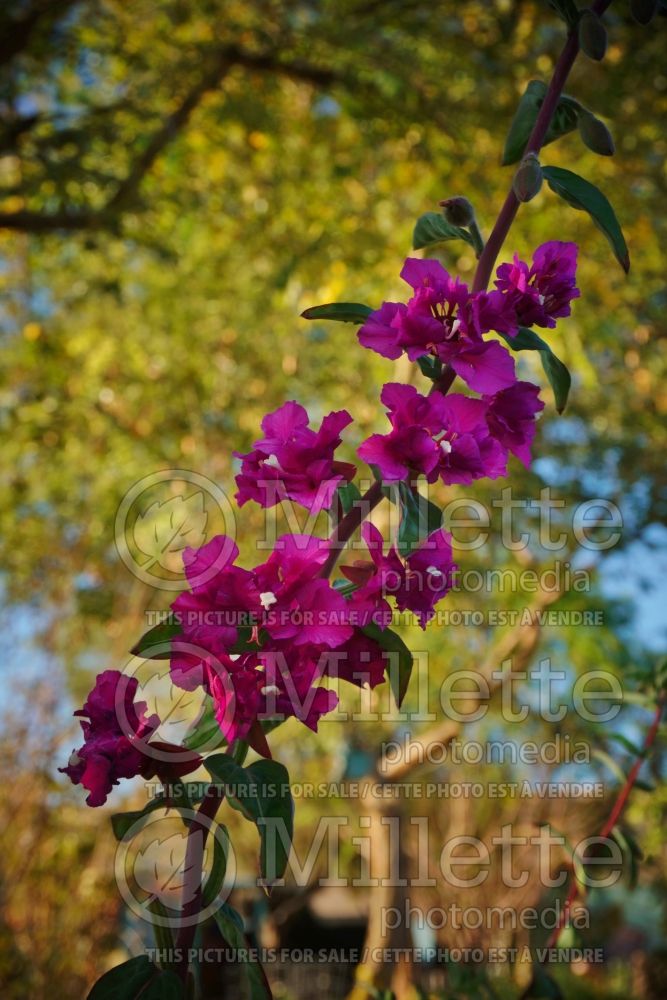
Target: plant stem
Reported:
point(615, 814)
point(349, 524)
point(508, 212)
point(192, 886)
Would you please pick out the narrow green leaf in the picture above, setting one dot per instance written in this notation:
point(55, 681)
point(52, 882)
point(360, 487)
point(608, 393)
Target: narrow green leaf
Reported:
point(342, 312)
point(644, 786)
point(559, 378)
point(262, 794)
point(165, 986)
point(159, 635)
point(584, 196)
point(564, 120)
point(125, 981)
point(399, 667)
point(218, 871)
point(432, 228)
point(567, 9)
point(164, 939)
point(182, 796)
point(230, 925)
point(557, 373)
point(627, 744)
point(276, 816)
point(205, 731)
point(419, 519)
point(431, 367)
point(631, 853)
point(122, 822)
point(348, 493)
point(610, 764)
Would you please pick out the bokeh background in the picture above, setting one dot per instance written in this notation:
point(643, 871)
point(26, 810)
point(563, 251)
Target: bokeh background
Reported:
point(178, 181)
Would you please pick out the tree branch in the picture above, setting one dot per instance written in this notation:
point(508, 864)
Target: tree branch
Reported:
point(226, 57)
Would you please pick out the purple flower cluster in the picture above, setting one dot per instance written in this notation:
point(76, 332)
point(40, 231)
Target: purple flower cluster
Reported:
point(294, 462)
point(259, 641)
point(444, 319)
point(416, 583)
point(116, 731)
point(454, 438)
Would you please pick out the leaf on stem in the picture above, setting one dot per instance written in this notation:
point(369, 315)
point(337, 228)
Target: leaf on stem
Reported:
point(341, 312)
point(564, 120)
point(558, 375)
point(261, 793)
point(432, 228)
point(399, 665)
point(583, 195)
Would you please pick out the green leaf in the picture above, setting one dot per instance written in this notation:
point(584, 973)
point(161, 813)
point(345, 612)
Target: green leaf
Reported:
point(122, 822)
point(159, 635)
point(419, 519)
point(166, 986)
point(230, 925)
point(342, 312)
point(610, 764)
point(584, 196)
point(627, 744)
point(276, 815)
point(137, 977)
point(399, 667)
point(181, 798)
point(558, 375)
point(559, 378)
point(348, 493)
point(432, 228)
point(643, 786)
point(262, 794)
point(567, 9)
point(164, 939)
point(205, 731)
point(564, 120)
point(631, 853)
point(218, 868)
point(431, 367)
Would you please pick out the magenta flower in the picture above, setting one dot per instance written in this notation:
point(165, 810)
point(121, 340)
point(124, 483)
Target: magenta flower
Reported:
point(300, 607)
point(374, 580)
point(429, 575)
point(511, 417)
point(468, 451)
point(416, 583)
point(294, 462)
point(445, 437)
point(211, 613)
point(281, 609)
point(542, 293)
point(113, 729)
point(444, 319)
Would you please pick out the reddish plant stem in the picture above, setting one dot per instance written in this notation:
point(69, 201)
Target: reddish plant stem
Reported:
point(510, 208)
point(349, 524)
point(614, 815)
point(192, 886)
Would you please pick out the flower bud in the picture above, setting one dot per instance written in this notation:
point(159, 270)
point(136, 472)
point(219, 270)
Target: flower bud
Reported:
point(595, 134)
point(458, 211)
point(592, 35)
point(643, 11)
point(528, 178)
